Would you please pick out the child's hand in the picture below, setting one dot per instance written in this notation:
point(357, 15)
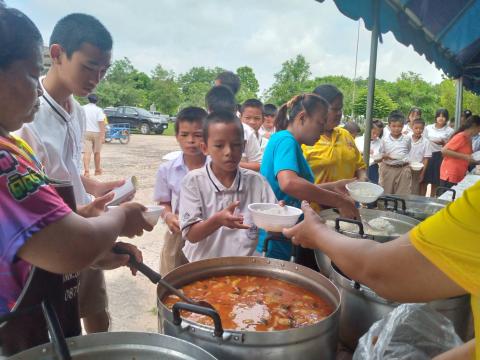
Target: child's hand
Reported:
point(171, 220)
point(135, 222)
point(228, 218)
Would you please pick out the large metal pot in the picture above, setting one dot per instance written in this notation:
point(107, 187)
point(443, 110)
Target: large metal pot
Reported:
point(361, 307)
point(318, 341)
point(418, 207)
point(402, 224)
point(120, 346)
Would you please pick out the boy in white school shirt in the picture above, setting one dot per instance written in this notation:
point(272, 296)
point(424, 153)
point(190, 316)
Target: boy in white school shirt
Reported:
point(395, 173)
point(252, 114)
point(214, 217)
point(420, 152)
point(188, 131)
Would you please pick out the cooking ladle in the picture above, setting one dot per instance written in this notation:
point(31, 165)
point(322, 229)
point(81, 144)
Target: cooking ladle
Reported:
point(156, 278)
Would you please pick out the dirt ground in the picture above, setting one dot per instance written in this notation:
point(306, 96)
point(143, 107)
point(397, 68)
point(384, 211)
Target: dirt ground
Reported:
point(132, 300)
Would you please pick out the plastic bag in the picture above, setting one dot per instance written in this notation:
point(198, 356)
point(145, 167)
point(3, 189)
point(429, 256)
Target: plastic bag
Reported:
point(409, 332)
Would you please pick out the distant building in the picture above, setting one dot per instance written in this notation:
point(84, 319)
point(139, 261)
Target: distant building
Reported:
point(47, 60)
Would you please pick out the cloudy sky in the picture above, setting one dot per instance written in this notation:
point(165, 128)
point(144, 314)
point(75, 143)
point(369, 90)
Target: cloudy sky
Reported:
point(262, 34)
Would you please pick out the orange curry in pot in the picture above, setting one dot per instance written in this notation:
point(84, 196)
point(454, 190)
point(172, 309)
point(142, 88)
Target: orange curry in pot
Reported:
point(255, 303)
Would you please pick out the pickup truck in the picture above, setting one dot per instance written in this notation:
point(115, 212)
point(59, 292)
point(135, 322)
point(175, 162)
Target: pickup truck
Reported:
point(138, 118)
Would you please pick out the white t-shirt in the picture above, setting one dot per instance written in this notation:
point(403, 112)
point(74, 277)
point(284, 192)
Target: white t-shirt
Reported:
point(203, 195)
point(374, 146)
point(252, 151)
point(93, 115)
point(57, 138)
point(397, 149)
point(407, 130)
point(420, 149)
point(432, 133)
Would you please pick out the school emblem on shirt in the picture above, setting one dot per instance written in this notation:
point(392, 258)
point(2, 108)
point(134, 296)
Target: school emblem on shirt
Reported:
point(22, 185)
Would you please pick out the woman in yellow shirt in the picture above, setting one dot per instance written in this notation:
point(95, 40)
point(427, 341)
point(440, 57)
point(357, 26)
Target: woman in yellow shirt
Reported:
point(335, 155)
point(439, 258)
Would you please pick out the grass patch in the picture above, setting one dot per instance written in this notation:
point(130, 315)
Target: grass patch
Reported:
point(170, 131)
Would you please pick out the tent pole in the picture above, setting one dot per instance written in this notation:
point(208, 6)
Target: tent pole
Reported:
point(371, 80)
point(458, 101)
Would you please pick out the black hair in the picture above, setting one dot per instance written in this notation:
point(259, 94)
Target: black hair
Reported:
point(221, 117)
point(92, 98)
point(415, 109)
point(352, 126)
point(191, 114)
point(441, 112)
point(72, 31)
point(220, 98)
point(396, 116)
point(18, 36)
point(473, 120)
point(379, 125)
point(466, 113)
point(269, 110)
point(310, 103)
point(328, 91)
point(419, 121)
point(230, 80)
point(255, 103)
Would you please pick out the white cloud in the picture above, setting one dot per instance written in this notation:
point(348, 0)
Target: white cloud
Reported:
point(262, 34)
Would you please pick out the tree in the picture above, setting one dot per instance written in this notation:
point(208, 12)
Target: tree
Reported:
point(165, 91)
point(292, 79)
point(382, 104)
point(344, 84)
point(447, 94)
point(249, 84)
point(195, 84)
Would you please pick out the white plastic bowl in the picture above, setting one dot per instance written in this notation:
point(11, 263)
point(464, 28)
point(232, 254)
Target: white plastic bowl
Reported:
point(283, 217)
point(364, 192)
point(152, 214)
point(416, 166)
point(476, 156)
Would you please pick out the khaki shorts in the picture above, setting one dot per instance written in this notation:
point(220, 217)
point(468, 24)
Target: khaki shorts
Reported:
point(172, 254)
point(92, 293)
point(92, 143)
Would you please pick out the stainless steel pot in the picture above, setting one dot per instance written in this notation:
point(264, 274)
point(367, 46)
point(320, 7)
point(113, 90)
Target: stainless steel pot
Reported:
point(318, 341)
point(361, 307)
point(401, 223)
point(121, 346)
point(418, 207)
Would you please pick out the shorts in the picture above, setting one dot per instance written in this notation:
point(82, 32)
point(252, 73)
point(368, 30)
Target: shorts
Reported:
point(92, 292)
point(172, 252)
point(92, 143)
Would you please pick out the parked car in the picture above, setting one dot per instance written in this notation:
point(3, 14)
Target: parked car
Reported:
point(138, 118)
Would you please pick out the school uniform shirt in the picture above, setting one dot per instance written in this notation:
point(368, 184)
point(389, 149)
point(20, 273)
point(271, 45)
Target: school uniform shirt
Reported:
point(476, 143)
point(420, 149)
point(27, 206)
point(452, 169)
point(93, 115)
point(202, 195)
point(334, 157)
point(434, 134)
point(407, 130)
point(262, 141)
point(374, 147)
point(252, 152)
point(449, 240)
point(56, 136)
point(283, 152)
point(168, 182)
point(396, 148)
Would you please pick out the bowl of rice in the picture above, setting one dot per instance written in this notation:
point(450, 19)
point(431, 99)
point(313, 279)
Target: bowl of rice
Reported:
point(364, 192)
point(273, 217)
point(416, 166)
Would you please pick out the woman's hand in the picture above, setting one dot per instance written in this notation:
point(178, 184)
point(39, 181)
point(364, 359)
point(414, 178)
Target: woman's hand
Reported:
point(308, 232)
point(135, 222)
point(111, 260)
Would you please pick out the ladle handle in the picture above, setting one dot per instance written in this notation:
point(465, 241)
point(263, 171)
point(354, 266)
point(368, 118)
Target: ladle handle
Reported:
point(152, 275)
point(211, 313)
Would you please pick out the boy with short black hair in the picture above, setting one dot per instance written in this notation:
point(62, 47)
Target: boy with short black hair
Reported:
point(395, 173)
point(80, 49)
point(268, 127)
point(213, 198)
point(230, 80)
point(421, 152)
point(353, 128)
point(220, 99)
point(252, 114)
point(189, 134)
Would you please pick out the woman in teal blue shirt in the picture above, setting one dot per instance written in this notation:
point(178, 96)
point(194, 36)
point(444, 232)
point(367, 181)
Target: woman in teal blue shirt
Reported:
point(299, 121)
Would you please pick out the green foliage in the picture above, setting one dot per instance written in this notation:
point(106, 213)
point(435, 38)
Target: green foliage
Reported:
point(249, 84)
point(125, 85)
point(382, 104)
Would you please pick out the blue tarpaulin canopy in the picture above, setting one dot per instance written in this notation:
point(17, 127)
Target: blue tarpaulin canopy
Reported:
point(447, 32)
